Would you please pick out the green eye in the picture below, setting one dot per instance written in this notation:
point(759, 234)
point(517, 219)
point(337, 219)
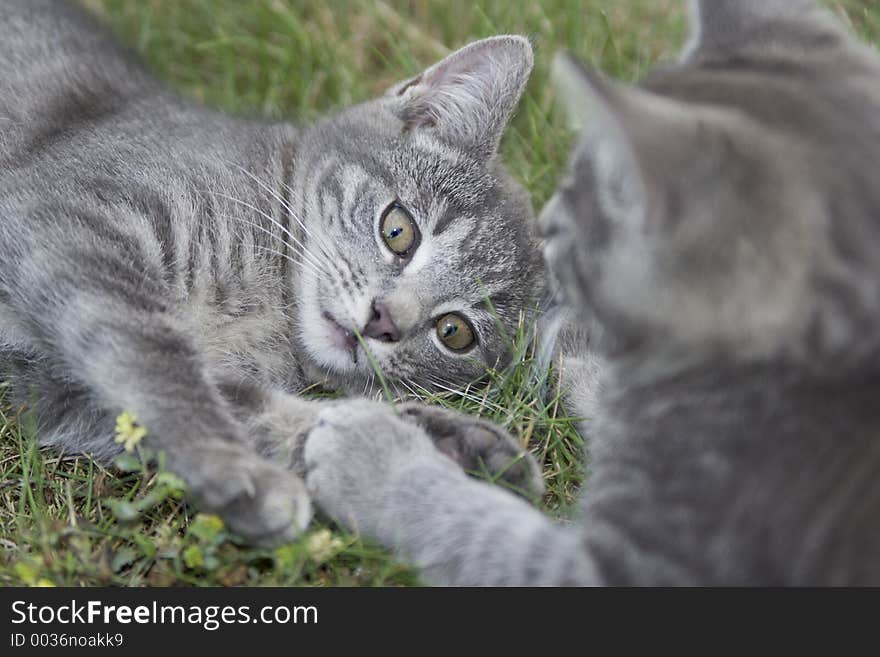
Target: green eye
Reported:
point(455, 332)
point(399, 231)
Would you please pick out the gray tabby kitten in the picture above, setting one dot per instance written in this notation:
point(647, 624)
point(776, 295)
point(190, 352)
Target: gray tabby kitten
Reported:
point(196, 269)
point(722, 221)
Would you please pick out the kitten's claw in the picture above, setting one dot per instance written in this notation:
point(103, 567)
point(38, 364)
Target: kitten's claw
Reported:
point(258, 500)
point(478, 446)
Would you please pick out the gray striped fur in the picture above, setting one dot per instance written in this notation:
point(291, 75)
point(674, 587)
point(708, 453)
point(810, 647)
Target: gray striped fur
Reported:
point(722, 223)
point(161, 258)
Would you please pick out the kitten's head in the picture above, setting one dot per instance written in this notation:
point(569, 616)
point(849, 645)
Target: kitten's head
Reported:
point(730, 202)
point(418, 239)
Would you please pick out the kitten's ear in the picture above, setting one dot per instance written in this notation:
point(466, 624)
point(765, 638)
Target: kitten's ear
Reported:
point(632, 137)
point(584, 92)
point(719, 24)
point(469, 97)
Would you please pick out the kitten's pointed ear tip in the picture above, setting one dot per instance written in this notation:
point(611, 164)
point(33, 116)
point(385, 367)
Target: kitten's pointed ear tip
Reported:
point(521, 42)
point(513, 40)
point(568, 72)
point(580, 88)
point(517, 45)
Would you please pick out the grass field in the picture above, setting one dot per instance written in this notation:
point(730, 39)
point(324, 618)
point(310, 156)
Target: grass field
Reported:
point(65, 520)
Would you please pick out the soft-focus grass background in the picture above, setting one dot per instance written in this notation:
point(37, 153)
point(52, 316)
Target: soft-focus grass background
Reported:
point(67, 521)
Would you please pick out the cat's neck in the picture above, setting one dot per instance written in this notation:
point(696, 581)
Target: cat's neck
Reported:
point(237, 215)
point(257, 195)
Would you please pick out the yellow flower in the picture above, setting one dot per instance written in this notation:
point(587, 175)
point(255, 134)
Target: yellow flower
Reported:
point(128, 432)
point(323, 546)
point(206, 527)
point(28, 572)
point(193, 557)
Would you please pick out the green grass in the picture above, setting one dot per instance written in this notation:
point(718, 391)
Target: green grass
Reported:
point(65, 520)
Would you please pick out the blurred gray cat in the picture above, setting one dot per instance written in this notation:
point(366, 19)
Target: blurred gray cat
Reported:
point(196, 269)
point(722, 222)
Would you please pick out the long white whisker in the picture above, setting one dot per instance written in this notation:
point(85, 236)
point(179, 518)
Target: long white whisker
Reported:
point(418, 392)
point(400, 391)
point(414, 388)
point(262, 229)
point(287, 257)
point(317, 237)
point(482, 401)
point(284, 204)
point(293, 250)
point(270, 219)
point(405, 383)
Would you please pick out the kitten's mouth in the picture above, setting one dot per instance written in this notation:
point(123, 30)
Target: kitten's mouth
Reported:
point(341, 337)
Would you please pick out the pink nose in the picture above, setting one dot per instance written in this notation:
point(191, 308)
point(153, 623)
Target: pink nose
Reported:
point(381, 327)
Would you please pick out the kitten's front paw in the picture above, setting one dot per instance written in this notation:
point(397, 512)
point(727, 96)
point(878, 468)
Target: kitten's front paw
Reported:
point(478, 446)
point(258, 500)
point(356, 454)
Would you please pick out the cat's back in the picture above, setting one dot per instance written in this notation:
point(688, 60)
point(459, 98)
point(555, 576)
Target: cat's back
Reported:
point(96, 154)
point(83, 120)
point(72, 95)
point(58, 67)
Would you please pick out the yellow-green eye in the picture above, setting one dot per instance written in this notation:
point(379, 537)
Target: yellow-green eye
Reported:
point(399, 231)
point(454, 331)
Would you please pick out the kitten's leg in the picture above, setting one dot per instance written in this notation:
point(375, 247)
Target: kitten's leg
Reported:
point(277, 423)
point(382, 475)
point(133, 356)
